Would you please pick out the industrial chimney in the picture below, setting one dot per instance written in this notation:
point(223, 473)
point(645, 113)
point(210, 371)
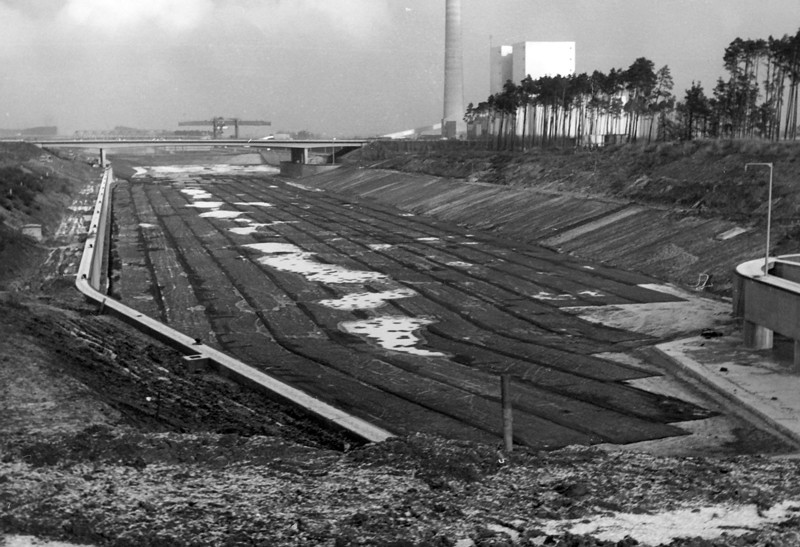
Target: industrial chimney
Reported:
point(453, 120)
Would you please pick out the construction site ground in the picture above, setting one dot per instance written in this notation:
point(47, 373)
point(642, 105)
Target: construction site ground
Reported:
point(107, 440)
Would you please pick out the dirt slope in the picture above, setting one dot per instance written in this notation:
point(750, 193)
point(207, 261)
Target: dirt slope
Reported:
point(682, 213)
point(702, 177)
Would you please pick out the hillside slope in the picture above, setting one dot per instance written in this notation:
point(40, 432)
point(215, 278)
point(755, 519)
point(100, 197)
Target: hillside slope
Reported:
point(704, 177)
point(678, 212)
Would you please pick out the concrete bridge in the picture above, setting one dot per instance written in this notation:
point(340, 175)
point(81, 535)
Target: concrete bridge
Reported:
point(301, 150)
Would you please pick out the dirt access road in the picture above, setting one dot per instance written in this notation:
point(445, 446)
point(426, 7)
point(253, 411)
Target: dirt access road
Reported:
point(399, 319)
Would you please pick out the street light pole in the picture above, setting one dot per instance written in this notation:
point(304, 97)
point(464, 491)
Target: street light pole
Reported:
point(769, 212)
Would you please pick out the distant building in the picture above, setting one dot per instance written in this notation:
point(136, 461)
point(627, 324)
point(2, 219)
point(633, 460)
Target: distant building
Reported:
point(501, 67)
point(536, 59)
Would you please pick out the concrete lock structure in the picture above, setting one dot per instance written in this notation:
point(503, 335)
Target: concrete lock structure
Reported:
point(769, 302)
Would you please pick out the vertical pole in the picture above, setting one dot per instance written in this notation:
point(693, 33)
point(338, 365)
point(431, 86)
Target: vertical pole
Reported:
point(508, 413)
point(769, 221)
point(769, 212)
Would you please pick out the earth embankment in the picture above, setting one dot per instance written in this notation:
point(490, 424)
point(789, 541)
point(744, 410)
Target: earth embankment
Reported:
point(685, 213)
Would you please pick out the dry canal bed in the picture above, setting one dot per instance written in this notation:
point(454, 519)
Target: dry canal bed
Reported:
point(401, 320)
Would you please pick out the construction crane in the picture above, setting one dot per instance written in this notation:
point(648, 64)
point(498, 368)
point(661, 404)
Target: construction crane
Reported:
point(218, 124)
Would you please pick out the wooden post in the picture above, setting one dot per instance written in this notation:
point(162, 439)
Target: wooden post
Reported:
point(508, 413)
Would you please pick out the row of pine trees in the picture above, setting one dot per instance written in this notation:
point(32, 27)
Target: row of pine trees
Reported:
point(758, 99)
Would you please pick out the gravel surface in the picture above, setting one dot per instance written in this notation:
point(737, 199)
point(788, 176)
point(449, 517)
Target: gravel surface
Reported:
point(112, 487)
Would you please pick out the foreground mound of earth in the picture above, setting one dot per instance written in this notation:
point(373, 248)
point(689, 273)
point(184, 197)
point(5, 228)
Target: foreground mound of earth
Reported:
point(112, 486)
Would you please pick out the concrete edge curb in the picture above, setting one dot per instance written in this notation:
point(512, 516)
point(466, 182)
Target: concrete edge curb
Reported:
point(90, 278)
point(722, 392)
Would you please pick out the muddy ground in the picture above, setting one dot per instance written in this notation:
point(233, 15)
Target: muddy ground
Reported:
point(97, 448)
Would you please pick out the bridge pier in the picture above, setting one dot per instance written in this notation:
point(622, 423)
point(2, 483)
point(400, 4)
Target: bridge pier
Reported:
point(103, 158)
point(300, 155)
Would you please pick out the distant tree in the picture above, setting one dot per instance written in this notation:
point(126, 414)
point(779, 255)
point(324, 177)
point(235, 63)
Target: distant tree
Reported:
point(661, 100)
point(640, 80)
point(526, 91)
point(695, 111)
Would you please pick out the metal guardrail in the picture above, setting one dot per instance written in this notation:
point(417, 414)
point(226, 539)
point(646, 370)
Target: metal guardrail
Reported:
point(92, 282)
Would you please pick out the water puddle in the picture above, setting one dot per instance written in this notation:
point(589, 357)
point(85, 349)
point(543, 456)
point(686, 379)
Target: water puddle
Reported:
point(196, 193)
point(221, 214)
point(303, 187)
point(206, 204)
point(544, 295)
point(274, 248)
point(367, 300)
point(247, 230)
point(396, 333)
point(290, 258)
point(182, 172)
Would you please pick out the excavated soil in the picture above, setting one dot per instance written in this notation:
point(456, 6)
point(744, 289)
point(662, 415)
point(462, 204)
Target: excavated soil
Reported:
point(106, 440)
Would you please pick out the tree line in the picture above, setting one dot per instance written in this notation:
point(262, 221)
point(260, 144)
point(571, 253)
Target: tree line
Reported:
point(758, 99)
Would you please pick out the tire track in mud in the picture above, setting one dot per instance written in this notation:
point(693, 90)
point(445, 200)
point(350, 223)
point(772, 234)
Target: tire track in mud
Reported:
point(287, 349)
point(449, 400)
point(446, 290)
point(310, 343)
point(129, 254)
point(507, 262)
point(628, 398)
point(519, 304)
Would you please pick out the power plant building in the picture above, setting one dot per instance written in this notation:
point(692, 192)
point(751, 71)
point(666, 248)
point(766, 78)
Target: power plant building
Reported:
point(536, 59)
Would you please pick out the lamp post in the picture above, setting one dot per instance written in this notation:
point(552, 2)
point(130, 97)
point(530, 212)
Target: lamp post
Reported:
point(769, 211)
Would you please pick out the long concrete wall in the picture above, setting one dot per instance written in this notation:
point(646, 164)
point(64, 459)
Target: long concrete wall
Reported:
point(682, 249)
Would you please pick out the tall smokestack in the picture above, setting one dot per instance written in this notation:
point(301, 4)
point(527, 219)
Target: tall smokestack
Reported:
point(453, 70)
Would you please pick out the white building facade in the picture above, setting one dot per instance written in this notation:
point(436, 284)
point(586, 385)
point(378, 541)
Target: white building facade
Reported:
point(536, 59)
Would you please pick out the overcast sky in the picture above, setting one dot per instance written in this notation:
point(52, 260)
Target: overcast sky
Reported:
point(333, 67)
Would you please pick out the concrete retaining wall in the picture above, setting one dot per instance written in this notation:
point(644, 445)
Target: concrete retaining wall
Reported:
point(678, 248)
point(769, 303)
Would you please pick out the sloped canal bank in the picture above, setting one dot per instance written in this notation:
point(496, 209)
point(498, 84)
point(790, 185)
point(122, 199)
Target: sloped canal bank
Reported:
point(399, 319)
